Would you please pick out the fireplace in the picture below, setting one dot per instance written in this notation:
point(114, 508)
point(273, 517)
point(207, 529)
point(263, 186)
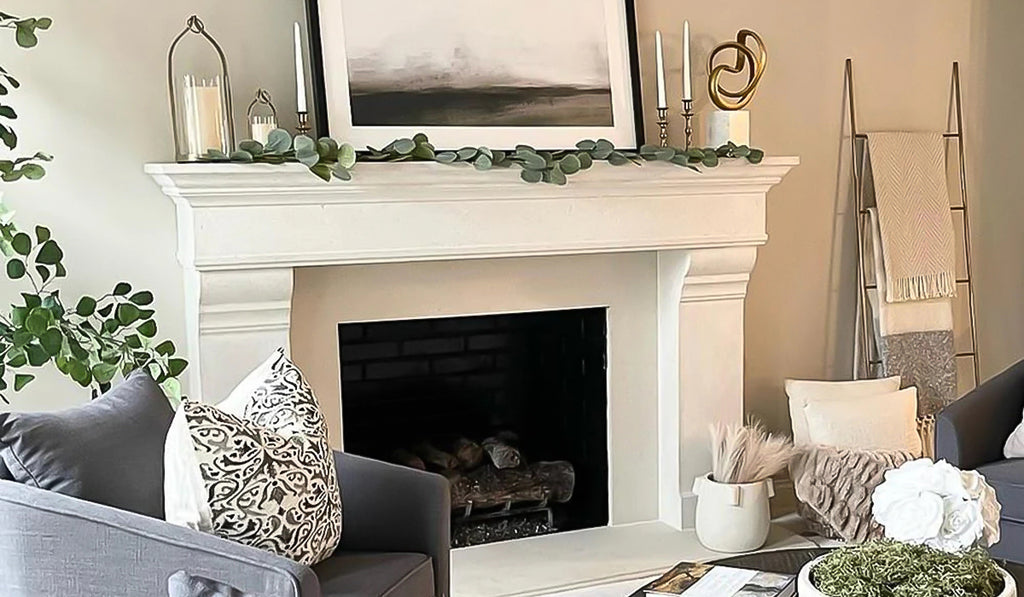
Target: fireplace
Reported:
point(421, 392)
point(275, 257)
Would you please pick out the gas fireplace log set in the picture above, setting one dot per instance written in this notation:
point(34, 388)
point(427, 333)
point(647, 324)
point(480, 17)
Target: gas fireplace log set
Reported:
point(492, 473)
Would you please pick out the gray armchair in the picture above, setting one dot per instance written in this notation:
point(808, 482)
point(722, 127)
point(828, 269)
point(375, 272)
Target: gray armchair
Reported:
point(395, 542)
point(970, 434)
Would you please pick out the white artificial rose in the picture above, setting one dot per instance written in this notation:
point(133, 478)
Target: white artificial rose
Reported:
point(923, 475)
point(990, 507)
point(962, 526)
point(908, 516)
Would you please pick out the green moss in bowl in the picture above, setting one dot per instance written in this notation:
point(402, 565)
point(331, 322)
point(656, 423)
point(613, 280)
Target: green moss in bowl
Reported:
point(891, 569)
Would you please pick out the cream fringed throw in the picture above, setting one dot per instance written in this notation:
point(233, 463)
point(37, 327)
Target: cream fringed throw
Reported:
point(834, 486)
point(909, 172)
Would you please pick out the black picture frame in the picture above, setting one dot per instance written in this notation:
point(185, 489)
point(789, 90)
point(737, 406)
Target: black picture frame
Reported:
point(319, 84)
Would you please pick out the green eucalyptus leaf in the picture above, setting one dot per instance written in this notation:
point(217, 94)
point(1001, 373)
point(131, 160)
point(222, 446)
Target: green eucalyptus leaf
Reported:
point(21, 380)
point(147, 328)
point(44, 273)
point(483, 162)
point(404, 146)
point(50, 253)
point(616, 158)
point(755, 157)
point(321, 170)
point(32, 300)
point(165, 348)
point(557, 177)
point(532, 176)
point(37, 355)
point(8, 112)
point(86, 306)
point(52, 341)
point(327, 148)
point(133, 341)
point(585, 160)
point(347, 156)
point(446, 157)
point(42, 234)
point(278, 141)
point(22, 243)
point(143, 297)
point(710, 160)
point(586, 145)
point(340, 172)
point(467, 153)
point(104, 372)
point(25, 34)
point(254, 148)
point(80, 372)
point(570, 164)
point(172, 389)
point(122, 288)
point(15, 269)
point(105, 310)
point(17, 359)
point(241, 155)
point(127, 314)
point(175, 367)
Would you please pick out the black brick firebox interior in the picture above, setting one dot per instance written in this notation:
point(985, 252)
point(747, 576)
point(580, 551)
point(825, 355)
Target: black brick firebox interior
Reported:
point(540, 377)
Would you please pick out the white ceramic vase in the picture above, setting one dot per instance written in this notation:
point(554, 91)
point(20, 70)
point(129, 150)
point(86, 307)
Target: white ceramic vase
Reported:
point(732, 518)
point(804, 587)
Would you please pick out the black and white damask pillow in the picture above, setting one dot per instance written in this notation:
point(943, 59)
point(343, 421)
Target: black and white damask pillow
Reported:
point(257, 468)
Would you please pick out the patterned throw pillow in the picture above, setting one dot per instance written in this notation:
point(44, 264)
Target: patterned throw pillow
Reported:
point(257, 469)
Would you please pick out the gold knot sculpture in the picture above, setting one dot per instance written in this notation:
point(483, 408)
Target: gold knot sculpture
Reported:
point(737, 100)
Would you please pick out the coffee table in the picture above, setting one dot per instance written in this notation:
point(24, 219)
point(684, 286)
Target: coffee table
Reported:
point(789, 561)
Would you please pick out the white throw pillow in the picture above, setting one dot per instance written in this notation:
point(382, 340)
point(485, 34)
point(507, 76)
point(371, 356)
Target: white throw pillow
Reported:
point(257, 468)
point(1014, 446)
point(801, 392)
point(881, 422)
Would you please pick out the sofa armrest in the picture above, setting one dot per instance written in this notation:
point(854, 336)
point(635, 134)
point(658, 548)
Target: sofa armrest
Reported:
point(52, 544)
point(394, 508)
point(971, 432)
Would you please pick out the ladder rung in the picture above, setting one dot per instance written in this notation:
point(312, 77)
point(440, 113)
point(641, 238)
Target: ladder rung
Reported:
point(864, 212)
point(946, 135)
point(875, 286)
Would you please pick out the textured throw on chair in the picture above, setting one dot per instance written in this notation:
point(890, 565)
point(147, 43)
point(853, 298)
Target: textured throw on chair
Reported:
point(909, 174)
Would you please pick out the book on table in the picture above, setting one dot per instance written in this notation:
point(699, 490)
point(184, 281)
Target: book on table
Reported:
point(690, 579)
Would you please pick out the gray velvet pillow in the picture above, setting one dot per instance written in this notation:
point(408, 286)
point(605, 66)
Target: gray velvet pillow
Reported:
point(109, 451)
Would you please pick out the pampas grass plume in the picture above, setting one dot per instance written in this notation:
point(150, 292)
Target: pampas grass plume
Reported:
point(747, 453)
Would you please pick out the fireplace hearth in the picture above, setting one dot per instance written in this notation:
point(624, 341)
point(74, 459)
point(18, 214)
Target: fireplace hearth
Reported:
point(511, 408)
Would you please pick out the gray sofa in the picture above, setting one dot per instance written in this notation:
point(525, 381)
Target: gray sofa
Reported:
point(395, 543)
point(970, 434)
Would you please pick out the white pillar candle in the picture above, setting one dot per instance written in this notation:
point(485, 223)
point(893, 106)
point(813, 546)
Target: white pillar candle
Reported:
point(203, 116)
point(300, 73)
point(660, 58)
point(261, 127)
point(687, 91)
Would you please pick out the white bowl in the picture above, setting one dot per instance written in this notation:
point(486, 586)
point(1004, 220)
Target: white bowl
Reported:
point(804, 588)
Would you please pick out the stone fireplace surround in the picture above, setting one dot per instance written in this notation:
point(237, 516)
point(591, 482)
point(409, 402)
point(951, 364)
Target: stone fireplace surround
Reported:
point(275, 257)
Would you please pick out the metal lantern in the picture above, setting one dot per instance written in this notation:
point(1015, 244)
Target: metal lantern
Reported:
point(262, 116)
point(200, 96)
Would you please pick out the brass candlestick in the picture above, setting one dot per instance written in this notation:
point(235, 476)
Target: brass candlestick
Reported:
point(688, 115)
point(663, 125)
point(303, 126)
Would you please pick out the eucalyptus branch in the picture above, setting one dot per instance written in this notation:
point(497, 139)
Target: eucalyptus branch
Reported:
point(327, 158)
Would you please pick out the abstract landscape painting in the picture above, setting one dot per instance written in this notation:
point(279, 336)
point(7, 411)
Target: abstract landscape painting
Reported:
point(479, 72)
point(478, 63)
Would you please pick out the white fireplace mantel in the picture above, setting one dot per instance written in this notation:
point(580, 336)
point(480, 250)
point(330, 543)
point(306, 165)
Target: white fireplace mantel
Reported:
point(243, 229)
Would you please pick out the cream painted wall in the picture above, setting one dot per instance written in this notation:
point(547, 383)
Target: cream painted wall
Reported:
point(94, 96)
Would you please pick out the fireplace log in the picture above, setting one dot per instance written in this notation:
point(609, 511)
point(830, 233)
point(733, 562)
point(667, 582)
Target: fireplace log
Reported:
point(469, 453)
point(487, 487)
point(407, 458)
point(439, 459)
point(503, 454)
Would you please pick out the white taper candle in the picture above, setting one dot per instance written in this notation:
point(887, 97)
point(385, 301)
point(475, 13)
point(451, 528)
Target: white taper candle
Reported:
point(687, 90)
point(300, 73)
point(660, 58)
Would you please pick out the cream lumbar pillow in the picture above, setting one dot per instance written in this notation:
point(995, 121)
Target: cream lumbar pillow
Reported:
point(802, 392)
point(1014, 446)
point(257, 468)
point(880, 422)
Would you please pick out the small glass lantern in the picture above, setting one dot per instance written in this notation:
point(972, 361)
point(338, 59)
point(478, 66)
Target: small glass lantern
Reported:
point(200, 95)
point(262, 116)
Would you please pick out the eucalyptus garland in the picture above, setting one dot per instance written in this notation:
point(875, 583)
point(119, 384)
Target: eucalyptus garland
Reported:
point(328, 158)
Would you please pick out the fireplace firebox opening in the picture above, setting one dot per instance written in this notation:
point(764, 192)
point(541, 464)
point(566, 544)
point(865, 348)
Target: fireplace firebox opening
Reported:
point(511, 408)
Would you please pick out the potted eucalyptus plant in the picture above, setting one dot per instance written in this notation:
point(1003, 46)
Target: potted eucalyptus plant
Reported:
point(93, 339)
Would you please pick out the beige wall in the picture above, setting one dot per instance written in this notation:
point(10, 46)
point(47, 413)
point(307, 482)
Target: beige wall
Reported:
point(94, 96)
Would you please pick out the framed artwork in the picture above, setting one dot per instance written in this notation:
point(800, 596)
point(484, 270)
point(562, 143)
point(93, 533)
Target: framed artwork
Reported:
point(476, 72)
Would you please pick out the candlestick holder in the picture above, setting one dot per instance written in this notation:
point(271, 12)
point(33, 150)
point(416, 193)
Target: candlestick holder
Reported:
point(663, 126)
point(688, 116)
point(303, 126)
